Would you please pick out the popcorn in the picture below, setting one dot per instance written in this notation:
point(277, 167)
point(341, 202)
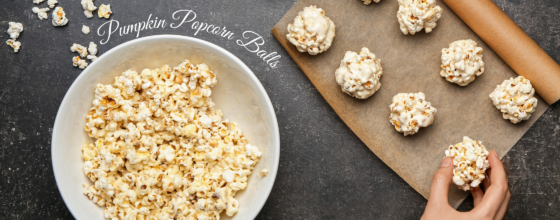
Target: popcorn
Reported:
point(88, 7)
point(14, 44)
point(85, 29)
point(52, 3)
point(514, 98)
point(359, 74)
point(162, 150)
point(92, 48)
point(311, 31)
point(41, 12)
point(38, 1)
point(367, 2)
point(411, 111)
point(59, 17)
point(104, 11)
point(83, 51)
point(470, 161)
point(82, 64)
point(264, 173)
point(461, 62)
point(15, 29)
point(413, 15)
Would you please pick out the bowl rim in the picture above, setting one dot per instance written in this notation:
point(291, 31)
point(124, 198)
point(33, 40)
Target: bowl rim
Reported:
point(247, 70)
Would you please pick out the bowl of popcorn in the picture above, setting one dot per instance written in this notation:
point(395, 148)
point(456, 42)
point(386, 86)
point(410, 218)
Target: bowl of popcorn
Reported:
point(166, 127)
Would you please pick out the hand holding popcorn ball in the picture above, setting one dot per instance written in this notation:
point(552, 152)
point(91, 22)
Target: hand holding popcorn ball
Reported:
point(514, 98)
point(415, 15)
point(311, 31)
point(410, 111)
point(359, 74)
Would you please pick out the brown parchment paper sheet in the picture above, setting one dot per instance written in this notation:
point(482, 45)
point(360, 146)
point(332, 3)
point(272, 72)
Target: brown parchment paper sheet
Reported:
point(410, 64)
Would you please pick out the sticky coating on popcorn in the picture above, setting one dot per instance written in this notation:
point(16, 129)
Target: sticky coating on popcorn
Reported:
point(415, 15)
point(470, 161)
point(410, 111)
point(367, 2)
point(461, 62)
point(312, 31)
point(359, 74)
point(514, 98)
point(162, 149)
point(59, 17)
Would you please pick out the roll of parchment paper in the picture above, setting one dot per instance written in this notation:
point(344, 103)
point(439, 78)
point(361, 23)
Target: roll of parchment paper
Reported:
point(512, 44)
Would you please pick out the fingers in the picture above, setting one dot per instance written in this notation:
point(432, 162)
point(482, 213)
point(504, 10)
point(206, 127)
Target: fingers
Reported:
point(477, 195)
point(495, 194)
point(440, 183)
point(486, 181)
point(503, 208)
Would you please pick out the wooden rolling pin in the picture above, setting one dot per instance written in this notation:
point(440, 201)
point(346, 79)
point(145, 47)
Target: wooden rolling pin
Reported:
point(512, 44)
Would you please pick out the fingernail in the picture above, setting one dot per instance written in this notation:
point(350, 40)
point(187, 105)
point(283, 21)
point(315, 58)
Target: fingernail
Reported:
point(446, 162)
point(496, 154)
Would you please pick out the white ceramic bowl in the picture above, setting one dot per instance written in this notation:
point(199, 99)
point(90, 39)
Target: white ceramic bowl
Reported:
point(238, 93)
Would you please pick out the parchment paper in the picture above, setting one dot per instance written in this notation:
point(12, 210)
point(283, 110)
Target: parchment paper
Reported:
point(411, 63)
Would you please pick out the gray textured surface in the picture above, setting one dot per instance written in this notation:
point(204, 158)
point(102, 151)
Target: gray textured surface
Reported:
point(325, 171)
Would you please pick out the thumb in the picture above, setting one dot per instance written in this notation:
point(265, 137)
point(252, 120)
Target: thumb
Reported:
point(440, 182)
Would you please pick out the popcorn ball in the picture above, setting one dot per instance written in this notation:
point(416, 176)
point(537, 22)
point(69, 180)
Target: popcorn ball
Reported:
point(461, 62)
point(14, 44)
point(162, 148)
point(413, 15)
point(59, 17)
point(410, 111)
point(41, 12)
point(88, 7)
point(104, 11)
point(367, 2)
point(311, 31)
point(14, 29)
point(359, 74)
point(514, 98)
point(470, 161)
point(52, 3)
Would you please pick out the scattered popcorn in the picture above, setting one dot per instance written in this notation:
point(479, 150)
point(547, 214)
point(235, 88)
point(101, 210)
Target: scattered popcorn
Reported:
point(85, 29)
point(514, 98)
point(92, 48)
point(83, 51)
point(413, 15)
point(15, 29)
point(52, 3)
point(14, 44)
point(411, 111)
point(264, 172)
point(162, 149)
point(91, 57)
point(359, 74)
point(88, 7)
point(104, 11)
point(78, 62)
point(38, 1)
point(311, 31)
point(461, 62)
point(59, 17)
point(470, 161)
point(41, 12)
point(367, 2)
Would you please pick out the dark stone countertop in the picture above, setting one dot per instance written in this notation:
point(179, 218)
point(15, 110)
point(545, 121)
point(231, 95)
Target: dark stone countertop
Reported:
point(325, 171)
